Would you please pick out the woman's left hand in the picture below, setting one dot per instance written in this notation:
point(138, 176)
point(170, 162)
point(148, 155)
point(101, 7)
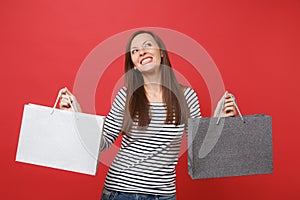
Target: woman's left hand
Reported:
point(229, 109)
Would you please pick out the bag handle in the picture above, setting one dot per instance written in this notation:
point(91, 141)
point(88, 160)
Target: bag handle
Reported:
point(56, 101)
point(235, 104)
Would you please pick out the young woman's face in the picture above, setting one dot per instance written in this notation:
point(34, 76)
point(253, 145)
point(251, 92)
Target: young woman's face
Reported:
point(145, 53)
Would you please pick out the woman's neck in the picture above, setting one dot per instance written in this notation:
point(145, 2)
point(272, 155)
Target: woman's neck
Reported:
point(152, 85)
point(152, 77)
point(153, 92)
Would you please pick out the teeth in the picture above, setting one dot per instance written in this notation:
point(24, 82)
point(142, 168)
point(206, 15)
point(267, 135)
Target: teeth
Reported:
point(146, 60)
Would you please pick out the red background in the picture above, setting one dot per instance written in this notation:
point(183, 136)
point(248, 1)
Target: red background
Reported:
point(254, 44)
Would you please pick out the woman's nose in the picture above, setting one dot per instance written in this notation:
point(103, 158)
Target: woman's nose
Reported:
point(142, 52)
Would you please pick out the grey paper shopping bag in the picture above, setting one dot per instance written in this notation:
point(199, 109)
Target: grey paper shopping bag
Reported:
point(60, 139)
point(222, 147)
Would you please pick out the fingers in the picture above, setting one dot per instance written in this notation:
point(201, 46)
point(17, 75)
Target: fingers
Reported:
point(65, 91)
point(231, 113)
point(66, 98)
point(229, 109)
point(65, 103)
point(68, 101)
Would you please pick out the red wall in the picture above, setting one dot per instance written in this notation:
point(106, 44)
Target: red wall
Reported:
point(253, 43)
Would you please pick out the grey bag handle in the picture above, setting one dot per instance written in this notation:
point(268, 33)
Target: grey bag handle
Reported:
point(235, 104)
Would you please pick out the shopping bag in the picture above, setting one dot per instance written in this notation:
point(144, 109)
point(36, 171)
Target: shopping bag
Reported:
point(231, 146)
point(60, 139)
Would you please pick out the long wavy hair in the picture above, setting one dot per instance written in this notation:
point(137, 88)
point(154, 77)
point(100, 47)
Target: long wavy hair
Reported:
point(137, 104)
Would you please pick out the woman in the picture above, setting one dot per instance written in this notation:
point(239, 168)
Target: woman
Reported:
point(150, 112)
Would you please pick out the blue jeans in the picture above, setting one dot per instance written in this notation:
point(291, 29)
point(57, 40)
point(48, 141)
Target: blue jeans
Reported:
point(115, 195)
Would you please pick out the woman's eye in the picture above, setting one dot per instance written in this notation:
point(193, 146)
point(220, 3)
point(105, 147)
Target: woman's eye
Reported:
point(148, 44)
point(134, 51)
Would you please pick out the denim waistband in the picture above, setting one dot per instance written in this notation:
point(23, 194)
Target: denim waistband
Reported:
point(117, 195)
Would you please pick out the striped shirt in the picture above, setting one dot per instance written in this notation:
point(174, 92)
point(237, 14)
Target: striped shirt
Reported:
point(147, 158)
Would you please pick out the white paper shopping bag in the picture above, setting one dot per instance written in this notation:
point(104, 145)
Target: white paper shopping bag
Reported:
point(60, 139)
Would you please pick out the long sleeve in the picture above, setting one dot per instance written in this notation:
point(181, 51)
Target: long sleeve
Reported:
point(193, 103)
point(114, 120)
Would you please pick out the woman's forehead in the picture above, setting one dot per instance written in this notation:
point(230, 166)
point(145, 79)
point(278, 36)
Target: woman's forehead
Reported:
point(140, 39)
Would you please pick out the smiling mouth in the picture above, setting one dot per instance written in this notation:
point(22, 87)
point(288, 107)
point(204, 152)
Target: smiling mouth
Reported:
point(146, 60)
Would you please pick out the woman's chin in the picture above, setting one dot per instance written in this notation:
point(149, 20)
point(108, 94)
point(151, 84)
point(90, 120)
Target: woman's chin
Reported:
point(147, 68)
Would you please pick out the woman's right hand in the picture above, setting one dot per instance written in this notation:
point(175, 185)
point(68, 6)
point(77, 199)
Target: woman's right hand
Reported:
point(68, 101)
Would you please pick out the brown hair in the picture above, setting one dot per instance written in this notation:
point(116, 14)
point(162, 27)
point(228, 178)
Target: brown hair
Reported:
point(137, 104)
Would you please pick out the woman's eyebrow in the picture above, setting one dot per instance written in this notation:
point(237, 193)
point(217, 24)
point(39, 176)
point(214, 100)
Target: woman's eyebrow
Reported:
point(146, 41)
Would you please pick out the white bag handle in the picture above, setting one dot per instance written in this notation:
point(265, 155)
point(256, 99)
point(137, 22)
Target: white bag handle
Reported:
point(56, 101)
